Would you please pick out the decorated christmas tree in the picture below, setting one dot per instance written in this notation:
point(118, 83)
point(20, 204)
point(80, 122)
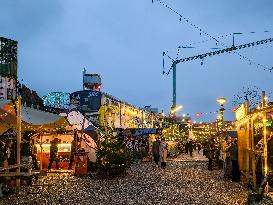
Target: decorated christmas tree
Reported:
point(113, 159)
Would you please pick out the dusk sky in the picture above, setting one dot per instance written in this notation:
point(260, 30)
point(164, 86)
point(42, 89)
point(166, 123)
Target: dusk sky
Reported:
point(123, 41)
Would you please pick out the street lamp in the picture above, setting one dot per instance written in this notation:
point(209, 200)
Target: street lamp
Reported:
point(221, 102)
point(175, 109)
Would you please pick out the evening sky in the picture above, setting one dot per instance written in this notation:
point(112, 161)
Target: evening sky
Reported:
point(123, 41)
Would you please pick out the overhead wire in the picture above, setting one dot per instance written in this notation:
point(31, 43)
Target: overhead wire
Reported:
point(218, 52)
point(182, 17)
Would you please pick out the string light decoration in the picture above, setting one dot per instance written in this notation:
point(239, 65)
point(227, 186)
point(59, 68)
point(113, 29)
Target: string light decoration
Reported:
point(201, 31)
point(8, 116)
point(247, 93)
point(182, 17)
point(172, 133)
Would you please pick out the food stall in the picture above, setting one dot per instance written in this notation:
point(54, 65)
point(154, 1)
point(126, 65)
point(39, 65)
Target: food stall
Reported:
point(42, 149)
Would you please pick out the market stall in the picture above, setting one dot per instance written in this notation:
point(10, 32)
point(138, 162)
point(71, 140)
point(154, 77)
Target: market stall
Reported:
point(42, 149)
point(37, 123)
point(139, 141)
point(255, 142)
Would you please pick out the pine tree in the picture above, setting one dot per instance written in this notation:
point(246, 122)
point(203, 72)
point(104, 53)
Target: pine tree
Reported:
point(113, 160)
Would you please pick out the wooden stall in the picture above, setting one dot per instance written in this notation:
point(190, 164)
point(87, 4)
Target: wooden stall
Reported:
point(42, 149)
point(255, 142)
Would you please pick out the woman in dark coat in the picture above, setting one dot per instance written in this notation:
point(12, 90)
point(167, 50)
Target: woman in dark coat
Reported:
point(234, 161)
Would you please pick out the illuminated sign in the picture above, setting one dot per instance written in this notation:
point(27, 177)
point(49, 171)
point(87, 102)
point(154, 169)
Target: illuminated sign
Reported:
point(86, 100)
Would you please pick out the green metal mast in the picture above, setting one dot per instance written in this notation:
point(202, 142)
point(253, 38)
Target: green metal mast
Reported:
point(174, 84)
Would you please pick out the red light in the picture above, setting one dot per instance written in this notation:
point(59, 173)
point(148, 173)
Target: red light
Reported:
point(198, 114)
point(98, 86)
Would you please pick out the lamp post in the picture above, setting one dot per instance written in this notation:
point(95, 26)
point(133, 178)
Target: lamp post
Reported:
point(221, 102)
point(175, 109)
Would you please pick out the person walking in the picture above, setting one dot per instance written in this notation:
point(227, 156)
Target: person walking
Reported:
point(210, 153)
point(54, 153)
point(163, 148)
point(190, 147)
point(224, 155)
point(155, 150)
point(234, 161)
point(199, 147)
point(186, 147)
point(209, 156)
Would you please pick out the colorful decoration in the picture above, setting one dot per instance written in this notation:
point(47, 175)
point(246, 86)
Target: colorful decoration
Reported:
point(60, 100)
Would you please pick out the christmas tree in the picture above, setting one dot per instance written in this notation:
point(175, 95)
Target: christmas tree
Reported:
point(113, 160)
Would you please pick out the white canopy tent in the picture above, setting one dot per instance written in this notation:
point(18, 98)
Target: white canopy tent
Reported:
point(31, 118)
point(79, 122)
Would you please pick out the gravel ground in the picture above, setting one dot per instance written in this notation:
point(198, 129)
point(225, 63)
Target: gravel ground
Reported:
point(146, 183)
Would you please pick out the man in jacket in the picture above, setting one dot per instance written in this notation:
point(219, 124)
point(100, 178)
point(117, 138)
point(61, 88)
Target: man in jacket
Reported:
point(234, 160)
point(155, 150)
point(54, 153)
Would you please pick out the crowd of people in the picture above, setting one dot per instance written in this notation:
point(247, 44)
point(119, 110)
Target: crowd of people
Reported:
point(190, 146)
point(223, 154)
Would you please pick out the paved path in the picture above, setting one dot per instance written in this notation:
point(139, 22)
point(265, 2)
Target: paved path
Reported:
point(182, 182)
point(187, 158)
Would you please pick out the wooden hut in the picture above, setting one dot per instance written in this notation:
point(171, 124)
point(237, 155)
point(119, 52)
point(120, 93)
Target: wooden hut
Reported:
point(255, 141)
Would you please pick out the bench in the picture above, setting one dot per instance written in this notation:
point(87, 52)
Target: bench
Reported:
point(15, 166)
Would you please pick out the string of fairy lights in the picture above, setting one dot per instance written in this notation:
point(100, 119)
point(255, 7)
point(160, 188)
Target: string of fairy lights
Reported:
point(27, 126)
point(182, 17)
point(201, 31)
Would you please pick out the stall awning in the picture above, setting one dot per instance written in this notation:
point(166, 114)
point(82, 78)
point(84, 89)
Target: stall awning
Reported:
point(38, 117)
point(32, 119)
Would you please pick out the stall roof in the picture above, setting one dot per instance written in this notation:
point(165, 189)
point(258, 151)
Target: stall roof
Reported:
point(31, 118)
point(38, 117)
